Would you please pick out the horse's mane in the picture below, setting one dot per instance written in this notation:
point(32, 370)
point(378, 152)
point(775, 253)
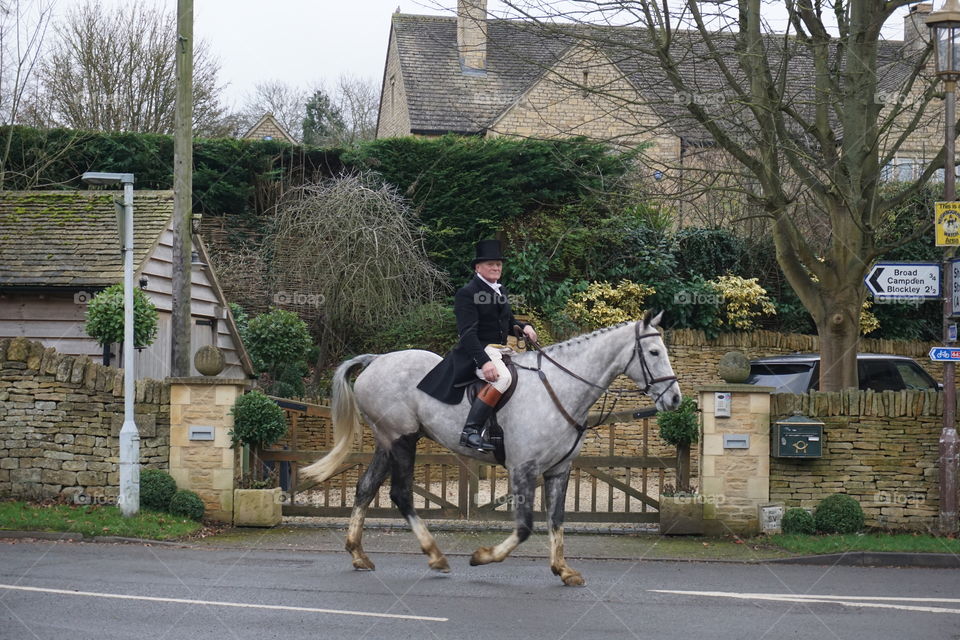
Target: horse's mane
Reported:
point(553, 348)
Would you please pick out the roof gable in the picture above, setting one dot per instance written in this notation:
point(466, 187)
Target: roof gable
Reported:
point(268, 128)
point(70, 238)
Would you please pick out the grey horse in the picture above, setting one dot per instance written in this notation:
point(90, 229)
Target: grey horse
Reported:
point(538, 438)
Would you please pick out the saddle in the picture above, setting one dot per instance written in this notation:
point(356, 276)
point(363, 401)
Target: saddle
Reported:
point(492, 431)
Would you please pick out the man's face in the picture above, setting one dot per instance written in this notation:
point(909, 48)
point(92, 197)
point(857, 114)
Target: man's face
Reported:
point(490, 270)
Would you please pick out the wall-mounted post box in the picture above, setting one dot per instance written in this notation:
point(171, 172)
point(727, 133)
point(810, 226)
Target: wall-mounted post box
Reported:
point(797, 437)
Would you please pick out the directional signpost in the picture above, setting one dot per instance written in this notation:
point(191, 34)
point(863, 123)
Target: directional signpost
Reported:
point(944, 354)
point(908, 280)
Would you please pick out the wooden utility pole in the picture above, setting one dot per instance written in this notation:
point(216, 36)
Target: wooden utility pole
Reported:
point(182, 193)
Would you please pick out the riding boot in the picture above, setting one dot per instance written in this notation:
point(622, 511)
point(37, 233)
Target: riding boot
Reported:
point(482, 407)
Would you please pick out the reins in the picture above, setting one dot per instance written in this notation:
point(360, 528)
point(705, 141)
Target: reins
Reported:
point(582, 427)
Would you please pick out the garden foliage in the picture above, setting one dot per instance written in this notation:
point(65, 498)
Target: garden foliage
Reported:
point(105, 322)
point(839, 513)
point(257, 421)
point(156, 489)
point(187, 504)
point(798, 521)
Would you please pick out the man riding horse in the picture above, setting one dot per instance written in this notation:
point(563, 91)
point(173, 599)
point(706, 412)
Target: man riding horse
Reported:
point(484, 320)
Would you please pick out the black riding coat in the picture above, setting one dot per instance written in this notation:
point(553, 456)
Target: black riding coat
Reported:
point(483, 317)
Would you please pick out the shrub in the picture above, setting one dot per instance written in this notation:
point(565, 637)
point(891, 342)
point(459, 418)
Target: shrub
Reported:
point(105, 317)
point(430, 326)
point(798, 521)
point(743, 300)
point(603, 304)
point(278, 343)
point(680, 427)
point(257, 420)
point(156, 489)
point(186, 504)
point(839, 513)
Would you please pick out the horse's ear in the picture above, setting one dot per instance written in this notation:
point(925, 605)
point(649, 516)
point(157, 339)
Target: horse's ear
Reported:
point(654, 321)
point(646, 318)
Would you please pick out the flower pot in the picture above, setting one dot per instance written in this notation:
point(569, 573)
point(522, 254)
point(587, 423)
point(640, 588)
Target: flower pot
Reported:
point(257, 507)
point(681, 515)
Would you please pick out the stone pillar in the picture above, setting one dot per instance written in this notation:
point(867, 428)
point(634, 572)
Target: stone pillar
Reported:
point(735, 481)
point(206, 466)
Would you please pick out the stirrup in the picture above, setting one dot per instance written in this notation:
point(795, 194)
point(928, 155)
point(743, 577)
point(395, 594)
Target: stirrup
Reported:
point(483, 446)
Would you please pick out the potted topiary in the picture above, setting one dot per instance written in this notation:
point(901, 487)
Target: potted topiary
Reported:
point(257, 423)
point(105, 319)
point(681, 508)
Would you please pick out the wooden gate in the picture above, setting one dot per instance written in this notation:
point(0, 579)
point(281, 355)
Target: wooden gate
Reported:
point(604, 486)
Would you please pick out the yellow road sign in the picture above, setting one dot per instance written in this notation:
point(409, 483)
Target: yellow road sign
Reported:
point(947, 222)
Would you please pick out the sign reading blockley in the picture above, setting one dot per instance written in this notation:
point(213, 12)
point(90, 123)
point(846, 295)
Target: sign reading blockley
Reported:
point(947, 222)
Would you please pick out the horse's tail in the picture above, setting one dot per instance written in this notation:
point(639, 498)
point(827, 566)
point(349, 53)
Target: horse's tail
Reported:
point(346, 421)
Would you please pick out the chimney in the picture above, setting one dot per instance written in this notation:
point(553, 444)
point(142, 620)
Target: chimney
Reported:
point(472, 34)
point(916, 33)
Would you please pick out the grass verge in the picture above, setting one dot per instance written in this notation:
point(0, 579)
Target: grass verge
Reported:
point(94, 520)
point(901, 542)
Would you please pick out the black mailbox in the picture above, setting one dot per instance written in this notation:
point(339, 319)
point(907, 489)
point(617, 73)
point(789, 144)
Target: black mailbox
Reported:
point(797, 437)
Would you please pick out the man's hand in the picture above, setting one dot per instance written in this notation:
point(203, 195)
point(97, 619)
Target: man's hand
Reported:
point(489, 371)
point(530, 333)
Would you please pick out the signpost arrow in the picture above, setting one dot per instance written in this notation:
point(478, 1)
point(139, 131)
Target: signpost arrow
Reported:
point(944, 354)
point(910, 280)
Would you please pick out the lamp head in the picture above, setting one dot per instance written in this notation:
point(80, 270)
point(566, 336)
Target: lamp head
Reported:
point(104, 178)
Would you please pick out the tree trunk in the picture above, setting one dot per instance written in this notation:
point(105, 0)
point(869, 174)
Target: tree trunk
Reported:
point(838, 326)
point(683, 467)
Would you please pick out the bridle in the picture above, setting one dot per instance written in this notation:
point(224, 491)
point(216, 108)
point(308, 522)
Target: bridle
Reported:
point(581, 427)
point(644, 367)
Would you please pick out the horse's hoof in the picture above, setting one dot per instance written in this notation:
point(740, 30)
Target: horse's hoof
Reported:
point(440, 565)
point(574, 579)
point(363, 564)
point(483, 555)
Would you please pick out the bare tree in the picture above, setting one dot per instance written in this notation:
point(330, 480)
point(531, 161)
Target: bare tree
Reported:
point(286, 102)
point(114, 71)
point(353, 102)
point(23, 30)
point(349, 249)
point(359, 101)
point(804, 121)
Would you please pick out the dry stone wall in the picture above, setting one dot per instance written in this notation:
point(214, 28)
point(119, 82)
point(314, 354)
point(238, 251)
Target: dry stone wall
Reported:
point(59, 421)
point(879, 447)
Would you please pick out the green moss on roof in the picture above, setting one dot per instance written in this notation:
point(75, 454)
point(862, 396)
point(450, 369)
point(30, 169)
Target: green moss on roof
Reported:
point(73, 234)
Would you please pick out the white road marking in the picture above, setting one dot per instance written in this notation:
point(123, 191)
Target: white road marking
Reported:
point(851, 601)
point(216, 603)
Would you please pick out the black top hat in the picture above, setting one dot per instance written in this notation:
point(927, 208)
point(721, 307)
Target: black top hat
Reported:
point(487, 250)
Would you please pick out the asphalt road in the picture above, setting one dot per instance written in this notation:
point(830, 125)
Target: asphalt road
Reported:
point(102, 591)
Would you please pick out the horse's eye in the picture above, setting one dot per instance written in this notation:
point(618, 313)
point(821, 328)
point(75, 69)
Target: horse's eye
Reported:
point(654, 352)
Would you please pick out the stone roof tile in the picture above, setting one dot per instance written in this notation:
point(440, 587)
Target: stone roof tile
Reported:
point(70, 238)
point(441, 98)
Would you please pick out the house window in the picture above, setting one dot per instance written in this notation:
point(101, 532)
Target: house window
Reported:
point(902, 170)
point(586, 76)
point(393, 82)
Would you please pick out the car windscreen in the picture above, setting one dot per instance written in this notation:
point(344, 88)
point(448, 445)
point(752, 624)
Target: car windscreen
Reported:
point(787, 377)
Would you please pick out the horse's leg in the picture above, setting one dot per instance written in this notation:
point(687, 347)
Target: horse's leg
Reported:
point(402, 455)
point(367, 488)
point(523, 480)
point(555, 489)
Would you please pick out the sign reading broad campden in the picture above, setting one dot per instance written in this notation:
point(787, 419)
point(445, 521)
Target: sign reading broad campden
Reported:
point(919, 280)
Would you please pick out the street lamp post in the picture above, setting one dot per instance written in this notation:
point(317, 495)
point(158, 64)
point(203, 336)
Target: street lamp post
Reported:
point(129, 437)
point(945, 29)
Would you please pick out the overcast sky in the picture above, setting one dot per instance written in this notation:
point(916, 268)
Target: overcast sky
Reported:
point(304, 42)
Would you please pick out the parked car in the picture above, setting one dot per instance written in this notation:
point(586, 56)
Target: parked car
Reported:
point(800, 372)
